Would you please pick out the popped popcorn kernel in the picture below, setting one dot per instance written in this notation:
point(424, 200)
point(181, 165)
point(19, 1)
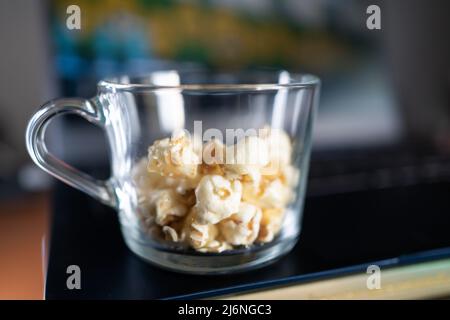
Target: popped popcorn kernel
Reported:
point(290, 176)
point(199, 235)
point(217, 198)
point(216, 246)
point(169, 206)
point(242, 228)
point(271, 222)
point(275, 195)
point(170, 234)
point(148, 182)
point(173, 157)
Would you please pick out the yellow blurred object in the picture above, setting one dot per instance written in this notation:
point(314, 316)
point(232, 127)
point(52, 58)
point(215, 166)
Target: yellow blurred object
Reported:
point(420, 281)
point(215, 35)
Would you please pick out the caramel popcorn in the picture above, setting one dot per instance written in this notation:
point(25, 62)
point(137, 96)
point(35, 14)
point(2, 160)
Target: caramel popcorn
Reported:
point(236, 197)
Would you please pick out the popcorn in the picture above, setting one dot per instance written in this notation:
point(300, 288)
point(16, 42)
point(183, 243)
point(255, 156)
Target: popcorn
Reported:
point(275, 195)
point(199, 235)
point(170, 234)
point(180, 185)
point(202, 234)
point(268, 194)
point(290, 175)
point(214, 169)
point(216, 247)
point(174, 231)
point(169, 206)
point(242, 227)
point(279, 143)
point(159, 203)
point(217, 198)
point(251, 192)
point(147, 182)
point(237, 196)
point(271, 222)
point(247, 157)
point(173, 157)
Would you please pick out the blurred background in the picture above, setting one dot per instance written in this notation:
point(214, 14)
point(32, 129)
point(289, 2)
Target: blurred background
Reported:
point(383, 118)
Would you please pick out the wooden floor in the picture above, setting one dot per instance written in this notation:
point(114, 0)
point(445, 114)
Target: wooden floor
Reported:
point(23, 226)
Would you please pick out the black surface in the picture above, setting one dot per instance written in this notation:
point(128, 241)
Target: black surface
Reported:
point(338, 231)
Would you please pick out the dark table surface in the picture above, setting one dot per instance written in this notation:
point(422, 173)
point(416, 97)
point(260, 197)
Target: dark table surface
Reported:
point(341, 233)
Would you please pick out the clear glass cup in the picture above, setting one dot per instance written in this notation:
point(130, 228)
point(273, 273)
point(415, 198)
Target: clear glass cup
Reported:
point(137, 111)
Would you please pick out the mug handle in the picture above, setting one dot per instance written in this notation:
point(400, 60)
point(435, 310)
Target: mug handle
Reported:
point(35, 141)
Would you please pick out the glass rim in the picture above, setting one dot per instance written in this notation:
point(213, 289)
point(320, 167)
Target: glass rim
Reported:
point(291, 81)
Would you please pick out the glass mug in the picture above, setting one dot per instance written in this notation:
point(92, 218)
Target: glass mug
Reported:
point(211, 218)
